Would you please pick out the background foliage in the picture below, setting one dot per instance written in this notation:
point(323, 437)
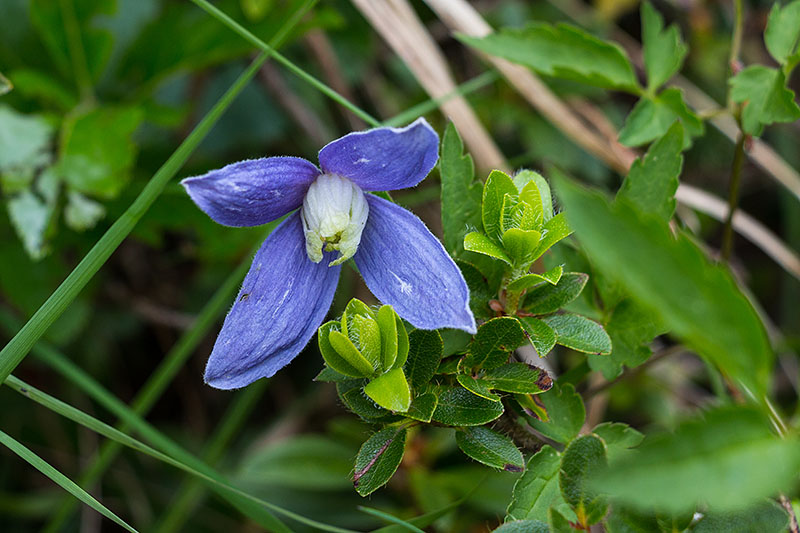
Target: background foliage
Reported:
point(662, 320)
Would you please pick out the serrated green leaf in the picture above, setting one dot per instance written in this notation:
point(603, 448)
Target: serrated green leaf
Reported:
point(653, 116)
point(490, 448)
point(553, 231)
point(494, 342)
point(520, 244)
point(783, 31)
point(766, 517)
point(523, 178)
point(542, 336)
point(480, 243)
point(565, 412)
point(497, 186)
point(702, 306)
point(537, 490)
point(523, 526)
point(519, 378)
point(390, 391)
point(461, 194)
point(663, 50)
point(550, 298)
point(766, 97)
point(340, 353)
point(728, 459)
point(618, 438)
point(527, 281)
point(579, 333)
point(562, 51)
point(582, 460)
point(652, 180)
point(478, 387)
point(459, 407)
point(378, 459)
point(387, 323)
point(98, 165)
point(424, 355)
point(422, 407)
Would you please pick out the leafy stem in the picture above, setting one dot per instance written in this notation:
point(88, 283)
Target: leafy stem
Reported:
point(733, 196)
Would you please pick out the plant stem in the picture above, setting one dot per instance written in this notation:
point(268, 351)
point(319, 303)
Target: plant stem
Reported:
point(733, 197)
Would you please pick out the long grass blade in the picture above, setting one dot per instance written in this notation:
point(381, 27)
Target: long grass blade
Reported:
point(213, 479)
point(63, 481)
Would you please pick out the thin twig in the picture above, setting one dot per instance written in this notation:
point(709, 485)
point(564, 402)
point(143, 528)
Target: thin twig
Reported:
point(733, 197)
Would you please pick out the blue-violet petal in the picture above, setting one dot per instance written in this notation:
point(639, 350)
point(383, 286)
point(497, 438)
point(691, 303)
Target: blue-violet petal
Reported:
point(253, 192)
point(283, 300)
point(383, 159)
point(405, 266)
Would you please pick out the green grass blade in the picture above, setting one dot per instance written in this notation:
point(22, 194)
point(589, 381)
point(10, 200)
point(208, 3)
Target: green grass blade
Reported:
point(60, 479)
point(389, 518)
point(19, 346)
point(469, 86)
point(203, 472)
point(302, 74)
point(192, 492)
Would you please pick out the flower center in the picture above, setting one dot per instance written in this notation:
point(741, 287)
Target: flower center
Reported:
point(334, 213)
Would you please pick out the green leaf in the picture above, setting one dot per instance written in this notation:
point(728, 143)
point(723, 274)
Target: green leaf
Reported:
point(81, 213)
point(461, 195)
point(558, 522)
point(480, 243)
point(520, 378)
point(652, 180)
point(340, 353)
point(60, 479)
point(579, 333)
point(550, 298)
point(523, 526)
point(527, 281)
point(402, 343)
point(537, 490)
point(352, 394)
point(424, 355)
point(766, 97)
point(422, 407)
point(664, 51)
point(459, 407)
point(520, 244)
point(497, 186)
point(583, 458)
point(490, 448)
point(652, 116)
point(378, 459)
point(303, 462)
point(390, 391)
point(565, 413)
point(30, 216)
point(783, 31)
point(94, 163)
point(24, 140)
point(622, 520)
point(765, 517)
point(494, 342)
point(542, 336)
point(524, 178)
point(562, 51)
point(698, 300)
point(553, 231)
point(618, 438)
point(388, 324)
point(329, 375)
point(632, 330)
point(699, 461)
point(479, 291)
point(478, 387)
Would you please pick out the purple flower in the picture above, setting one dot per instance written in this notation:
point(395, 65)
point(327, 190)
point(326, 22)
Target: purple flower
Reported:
point(291, 283)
